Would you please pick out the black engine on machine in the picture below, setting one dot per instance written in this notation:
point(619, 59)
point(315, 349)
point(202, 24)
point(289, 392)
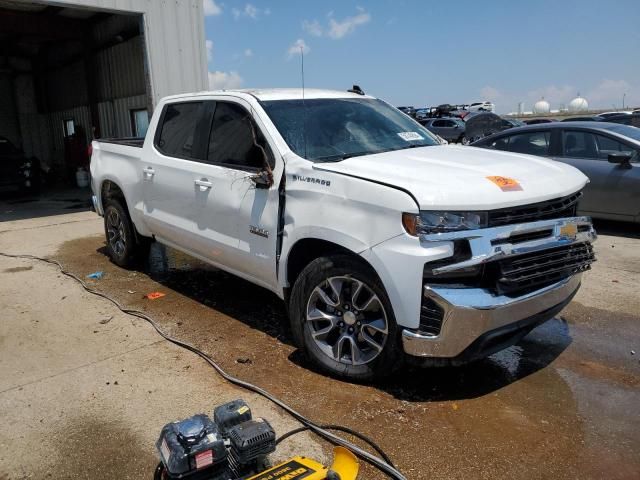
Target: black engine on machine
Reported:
point(231, 446)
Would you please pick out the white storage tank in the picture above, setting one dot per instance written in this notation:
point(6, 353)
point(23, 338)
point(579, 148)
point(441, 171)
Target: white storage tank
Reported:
point(578, 104)
point(541, 106)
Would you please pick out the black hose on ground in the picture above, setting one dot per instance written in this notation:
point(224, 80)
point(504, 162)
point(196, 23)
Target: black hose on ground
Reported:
point(382, 464)
point(340, 428)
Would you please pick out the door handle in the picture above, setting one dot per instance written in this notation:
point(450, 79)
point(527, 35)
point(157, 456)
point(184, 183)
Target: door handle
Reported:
point(148, 172)
point(204, 184)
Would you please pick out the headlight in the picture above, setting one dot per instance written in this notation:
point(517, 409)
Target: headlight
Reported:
point(439, 222)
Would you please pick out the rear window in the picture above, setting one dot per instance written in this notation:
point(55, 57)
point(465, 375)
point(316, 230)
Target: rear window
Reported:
point(177, 133)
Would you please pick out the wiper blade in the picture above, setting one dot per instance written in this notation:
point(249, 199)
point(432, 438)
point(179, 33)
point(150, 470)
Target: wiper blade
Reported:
point(339, 157)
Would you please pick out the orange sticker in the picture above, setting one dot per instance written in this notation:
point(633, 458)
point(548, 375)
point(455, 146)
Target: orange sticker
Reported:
point(154, 295)
point(506, 184)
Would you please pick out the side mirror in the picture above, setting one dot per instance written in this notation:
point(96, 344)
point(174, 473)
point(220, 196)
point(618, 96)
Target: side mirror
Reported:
point(262, 179)
point(622, 159)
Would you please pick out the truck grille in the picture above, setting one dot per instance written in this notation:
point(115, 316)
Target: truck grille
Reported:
point(535, 270)
point(557, 208)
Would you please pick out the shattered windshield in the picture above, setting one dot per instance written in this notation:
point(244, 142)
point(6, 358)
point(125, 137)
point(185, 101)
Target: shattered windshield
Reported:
point(334, 129)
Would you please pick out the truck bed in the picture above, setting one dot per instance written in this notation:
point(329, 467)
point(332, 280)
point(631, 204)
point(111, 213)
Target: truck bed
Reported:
point(129, 141)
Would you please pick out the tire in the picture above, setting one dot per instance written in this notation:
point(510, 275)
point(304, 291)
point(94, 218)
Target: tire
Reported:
point(331, 330)
point(124, 246)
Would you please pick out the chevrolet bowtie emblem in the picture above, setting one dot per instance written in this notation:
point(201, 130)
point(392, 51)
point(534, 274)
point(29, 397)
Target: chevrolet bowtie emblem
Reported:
point(570, 230)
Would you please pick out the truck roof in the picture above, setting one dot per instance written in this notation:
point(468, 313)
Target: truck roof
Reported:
point(267, 94)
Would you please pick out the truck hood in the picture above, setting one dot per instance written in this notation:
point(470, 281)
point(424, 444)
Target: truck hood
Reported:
point(456, 177)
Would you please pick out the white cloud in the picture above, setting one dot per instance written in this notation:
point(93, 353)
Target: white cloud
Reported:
point(312, 28)
point(224, 80)
point(339, 29)
point(248, 52)
point(211, 8)
point(209, 45)
point(249, 11)
point(608, 93)
point(297, 47)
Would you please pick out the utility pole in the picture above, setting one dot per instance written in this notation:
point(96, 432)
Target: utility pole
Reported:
point(623, 95)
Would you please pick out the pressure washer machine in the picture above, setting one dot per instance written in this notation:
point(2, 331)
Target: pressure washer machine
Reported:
point(232, 445)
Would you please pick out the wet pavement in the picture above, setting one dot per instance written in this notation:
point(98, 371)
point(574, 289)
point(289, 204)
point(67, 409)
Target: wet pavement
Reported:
point(563, 403)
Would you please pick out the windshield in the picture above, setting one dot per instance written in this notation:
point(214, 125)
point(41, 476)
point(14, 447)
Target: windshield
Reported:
point(338, 128)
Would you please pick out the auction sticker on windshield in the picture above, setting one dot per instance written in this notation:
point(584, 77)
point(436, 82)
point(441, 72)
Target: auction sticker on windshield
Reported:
point(410, 136)
point(506, 184)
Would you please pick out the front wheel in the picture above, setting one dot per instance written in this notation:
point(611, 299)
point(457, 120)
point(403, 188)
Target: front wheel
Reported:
point(342, 318)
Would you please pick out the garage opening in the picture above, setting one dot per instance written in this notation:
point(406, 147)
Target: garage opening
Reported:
point(68, 75)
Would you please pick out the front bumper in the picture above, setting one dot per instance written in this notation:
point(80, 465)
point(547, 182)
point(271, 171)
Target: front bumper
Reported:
point(471, 314)
point(478, 321)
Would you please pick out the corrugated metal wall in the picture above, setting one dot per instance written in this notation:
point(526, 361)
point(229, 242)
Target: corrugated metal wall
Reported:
point(169, 58)
point(175, 41)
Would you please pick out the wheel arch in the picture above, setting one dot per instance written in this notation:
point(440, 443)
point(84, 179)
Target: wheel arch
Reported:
point(305, 250)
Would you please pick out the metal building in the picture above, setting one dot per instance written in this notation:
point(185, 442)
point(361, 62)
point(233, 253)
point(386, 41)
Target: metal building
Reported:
point(72, 70)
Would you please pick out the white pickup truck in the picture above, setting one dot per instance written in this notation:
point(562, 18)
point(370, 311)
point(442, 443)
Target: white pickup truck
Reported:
point(385, 245)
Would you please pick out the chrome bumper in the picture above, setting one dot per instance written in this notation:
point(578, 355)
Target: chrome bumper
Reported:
point(470, 313)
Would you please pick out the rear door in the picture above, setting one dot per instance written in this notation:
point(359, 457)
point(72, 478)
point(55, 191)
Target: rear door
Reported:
point(168, 168)
point(613, 191)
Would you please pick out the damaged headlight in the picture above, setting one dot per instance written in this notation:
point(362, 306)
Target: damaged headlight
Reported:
point(427, 222)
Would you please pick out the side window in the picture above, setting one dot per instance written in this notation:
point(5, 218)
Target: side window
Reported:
point(531, 143)
point(607, 145)
point(178, 130)
point(231, 141)
point(501, 143)
point(449, 123)
point(579, 144)
point(439, 123)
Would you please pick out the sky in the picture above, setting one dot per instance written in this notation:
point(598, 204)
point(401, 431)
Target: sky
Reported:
point(424, 53)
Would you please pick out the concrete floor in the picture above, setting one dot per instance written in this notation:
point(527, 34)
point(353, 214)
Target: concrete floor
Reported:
point(86, 389)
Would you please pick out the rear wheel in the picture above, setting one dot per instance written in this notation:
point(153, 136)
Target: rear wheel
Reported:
point(124, 247)
point(342, 318)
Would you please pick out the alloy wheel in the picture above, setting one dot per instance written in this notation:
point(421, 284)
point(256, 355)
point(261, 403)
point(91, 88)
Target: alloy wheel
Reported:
point(347, 320)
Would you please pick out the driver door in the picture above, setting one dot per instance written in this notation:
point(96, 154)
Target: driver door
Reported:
point(237, 219)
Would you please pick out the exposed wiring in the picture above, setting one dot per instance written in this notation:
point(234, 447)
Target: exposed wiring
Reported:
point(382, 464)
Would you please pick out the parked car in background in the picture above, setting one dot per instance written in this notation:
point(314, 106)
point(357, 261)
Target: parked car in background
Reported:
point(422, 114)
point(512, 123)
point(607, 153)
point(585, 118)
point(17, 172)
point(538, 121)
point(409, 111)
point(481, 107)
point(451, 129)
point(633, 119)
point(606, 115)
